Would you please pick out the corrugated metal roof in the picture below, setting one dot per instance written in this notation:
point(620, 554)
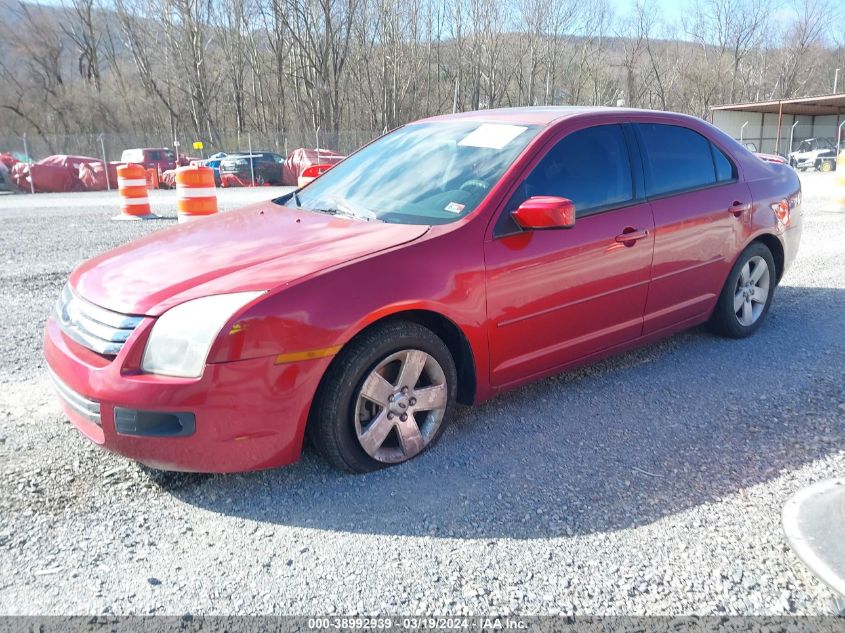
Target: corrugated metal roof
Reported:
point(820, 105)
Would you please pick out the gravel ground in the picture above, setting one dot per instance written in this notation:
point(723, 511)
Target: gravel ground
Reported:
point(550, 499)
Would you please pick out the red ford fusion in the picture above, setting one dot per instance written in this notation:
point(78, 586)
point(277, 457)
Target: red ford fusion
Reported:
point(448, 261)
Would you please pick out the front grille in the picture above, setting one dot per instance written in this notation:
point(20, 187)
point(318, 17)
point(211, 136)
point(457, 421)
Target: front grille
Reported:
point(96, 328)
point(88, 409)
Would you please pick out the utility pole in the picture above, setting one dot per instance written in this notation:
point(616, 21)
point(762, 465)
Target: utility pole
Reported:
point(26, 153)
point(105, 162)
point(251, 159)
point(835, 80)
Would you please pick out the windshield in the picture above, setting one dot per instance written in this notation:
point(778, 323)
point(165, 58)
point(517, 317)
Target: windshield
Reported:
point(423, 173)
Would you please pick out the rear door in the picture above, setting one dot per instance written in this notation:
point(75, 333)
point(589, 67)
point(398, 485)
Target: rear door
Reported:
point(700, 205)
point(557, 296)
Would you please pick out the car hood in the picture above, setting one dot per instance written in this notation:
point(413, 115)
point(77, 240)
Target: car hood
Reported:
point(260, 247)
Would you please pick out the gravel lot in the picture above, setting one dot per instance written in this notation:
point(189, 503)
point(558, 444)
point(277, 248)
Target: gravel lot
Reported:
point(550, 499)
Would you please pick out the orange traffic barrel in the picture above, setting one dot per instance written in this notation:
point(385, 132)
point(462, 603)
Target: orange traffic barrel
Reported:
point(840, 180)
point(196, 196)
point(132, 187)
point(152, 178)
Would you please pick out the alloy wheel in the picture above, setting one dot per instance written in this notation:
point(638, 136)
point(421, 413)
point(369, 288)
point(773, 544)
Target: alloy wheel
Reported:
point(400, 406)
point(752, 291)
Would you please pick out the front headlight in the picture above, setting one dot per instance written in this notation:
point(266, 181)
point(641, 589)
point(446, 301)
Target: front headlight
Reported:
point(182, 336)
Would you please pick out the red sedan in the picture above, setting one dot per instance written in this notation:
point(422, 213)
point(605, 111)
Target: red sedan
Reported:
point(447, 261)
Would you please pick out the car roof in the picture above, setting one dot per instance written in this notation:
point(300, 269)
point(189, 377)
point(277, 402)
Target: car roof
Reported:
point(546, 115)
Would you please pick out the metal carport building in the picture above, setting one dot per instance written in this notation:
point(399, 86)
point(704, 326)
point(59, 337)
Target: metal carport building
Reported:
point(770, 124)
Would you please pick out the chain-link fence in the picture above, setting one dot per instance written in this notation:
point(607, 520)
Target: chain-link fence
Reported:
point(111, 146)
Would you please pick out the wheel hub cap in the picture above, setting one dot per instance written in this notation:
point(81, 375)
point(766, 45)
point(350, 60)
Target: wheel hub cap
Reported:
point(400, 403)
point(400, 406)
point(752, 291)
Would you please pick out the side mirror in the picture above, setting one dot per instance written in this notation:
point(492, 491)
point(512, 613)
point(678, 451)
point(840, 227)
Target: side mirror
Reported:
point(545, 212)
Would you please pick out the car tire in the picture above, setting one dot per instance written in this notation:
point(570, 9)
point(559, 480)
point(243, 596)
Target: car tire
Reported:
point(741, 307)
point(361, 400)
point(826, 166)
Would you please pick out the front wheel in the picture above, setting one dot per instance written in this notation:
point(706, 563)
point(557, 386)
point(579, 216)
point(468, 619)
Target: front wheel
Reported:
point(385, 399)
point(747, 294)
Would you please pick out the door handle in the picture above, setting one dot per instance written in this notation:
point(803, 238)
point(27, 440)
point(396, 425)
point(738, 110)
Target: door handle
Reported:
point(630, 236)
point(738, 208)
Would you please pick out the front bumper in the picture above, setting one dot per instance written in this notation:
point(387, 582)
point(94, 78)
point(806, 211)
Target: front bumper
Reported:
point(249, 414)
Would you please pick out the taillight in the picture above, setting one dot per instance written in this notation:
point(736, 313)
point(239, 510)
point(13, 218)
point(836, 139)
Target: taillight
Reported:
point(315, 170)
point(781, 210)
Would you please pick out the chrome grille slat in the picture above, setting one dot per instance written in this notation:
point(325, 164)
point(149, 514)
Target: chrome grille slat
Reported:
point(96, 328)
point(103, 332)
point(88, 409)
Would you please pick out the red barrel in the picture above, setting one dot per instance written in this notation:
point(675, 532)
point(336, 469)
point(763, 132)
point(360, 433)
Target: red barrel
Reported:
point(196, 195)
point(152, 178)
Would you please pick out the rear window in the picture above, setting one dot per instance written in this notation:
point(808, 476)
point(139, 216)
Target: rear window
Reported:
point(725, 169)
point(677, 158)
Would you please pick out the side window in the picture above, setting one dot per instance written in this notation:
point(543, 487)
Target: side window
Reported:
point(591, 167)
point(725, 169)
point(676, 159)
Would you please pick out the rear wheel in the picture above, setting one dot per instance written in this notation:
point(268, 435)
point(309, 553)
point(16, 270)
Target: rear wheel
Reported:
point(826, 166)
point(385, 399)
point(747, 294)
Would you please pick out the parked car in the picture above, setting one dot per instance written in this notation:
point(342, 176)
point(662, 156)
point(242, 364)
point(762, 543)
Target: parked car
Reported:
point(448, 261)
point(159, 158)
point(312, 160)
point(311, 173)
point(213, 161)
point(814, 153)
point(266, 166)
point(5, 178)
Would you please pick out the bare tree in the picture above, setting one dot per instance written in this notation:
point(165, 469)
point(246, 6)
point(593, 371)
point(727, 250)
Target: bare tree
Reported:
point(802, 42)
point(282, 69)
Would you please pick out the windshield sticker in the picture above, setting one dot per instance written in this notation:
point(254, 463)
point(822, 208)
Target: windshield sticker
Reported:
point(454, 207)
point(492, 135)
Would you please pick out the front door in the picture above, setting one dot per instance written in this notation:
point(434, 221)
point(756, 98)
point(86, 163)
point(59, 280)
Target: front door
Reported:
point(556, 296)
